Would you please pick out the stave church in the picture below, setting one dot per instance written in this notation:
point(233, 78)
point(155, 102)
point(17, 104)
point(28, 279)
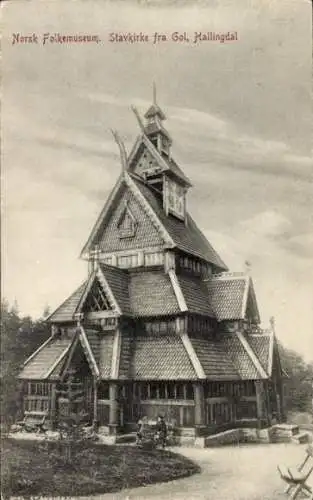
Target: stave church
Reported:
point(160, 325)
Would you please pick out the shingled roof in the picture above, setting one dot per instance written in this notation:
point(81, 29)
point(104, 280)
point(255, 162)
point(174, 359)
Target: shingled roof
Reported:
point(262, 345)
point(67, 309)
point(214, 359)
point(195, 294)
point(228, 296)
point(44, 360)
point(186, 236)
point(243, 357)
point(118, 281)
point(160, 358)
point(151, 294)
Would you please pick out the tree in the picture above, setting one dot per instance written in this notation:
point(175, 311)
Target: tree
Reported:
point(20, 337)
point(298, 384)
point(71, 425)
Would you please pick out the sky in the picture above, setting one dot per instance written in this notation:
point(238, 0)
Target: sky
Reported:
point(239, 114)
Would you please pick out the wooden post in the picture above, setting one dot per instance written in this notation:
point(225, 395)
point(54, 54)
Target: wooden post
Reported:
point(95, 403)
point(113, 417)
point(259, 400)
point(53, 415)
point(199, 406)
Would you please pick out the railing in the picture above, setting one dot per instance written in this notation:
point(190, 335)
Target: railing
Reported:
point(36, 403)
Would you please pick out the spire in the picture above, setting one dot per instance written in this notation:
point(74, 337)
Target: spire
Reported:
point(154, 128)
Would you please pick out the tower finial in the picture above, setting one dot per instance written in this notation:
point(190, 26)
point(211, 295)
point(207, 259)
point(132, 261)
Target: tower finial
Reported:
point(154, 94)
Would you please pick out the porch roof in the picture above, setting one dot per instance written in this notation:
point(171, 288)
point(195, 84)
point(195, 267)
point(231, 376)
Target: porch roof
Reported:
point(46, 359)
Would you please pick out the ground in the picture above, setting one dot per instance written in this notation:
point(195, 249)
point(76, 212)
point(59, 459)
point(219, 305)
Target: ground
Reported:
point(239, 472)
point(245, 472)
point(38, 468)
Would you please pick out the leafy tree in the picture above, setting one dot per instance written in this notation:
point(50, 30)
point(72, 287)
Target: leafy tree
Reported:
point(20, 337)
point(298, 384)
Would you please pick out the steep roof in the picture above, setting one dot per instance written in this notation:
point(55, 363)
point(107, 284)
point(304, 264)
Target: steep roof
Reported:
point(214, 359)
point(228, 294)
point(45, 359)
point(67, 309)
point(160, 358)
point(195, 294)
point(186, 236)
point(262, 345)
point(243, 357)
point(118, 281)
point(151, 294)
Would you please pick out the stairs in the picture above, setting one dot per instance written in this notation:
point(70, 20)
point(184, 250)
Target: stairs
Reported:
point(288, 433)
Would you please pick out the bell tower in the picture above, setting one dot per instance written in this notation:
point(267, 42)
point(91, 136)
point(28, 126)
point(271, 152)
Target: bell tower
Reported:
point(154, 129)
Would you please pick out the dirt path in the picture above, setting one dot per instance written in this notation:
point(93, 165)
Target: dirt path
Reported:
point(228, 473)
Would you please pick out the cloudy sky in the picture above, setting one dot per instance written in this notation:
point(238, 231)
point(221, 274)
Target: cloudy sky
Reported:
point(239, 114)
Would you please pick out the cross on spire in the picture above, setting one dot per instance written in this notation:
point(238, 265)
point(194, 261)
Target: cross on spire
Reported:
point(154, 94)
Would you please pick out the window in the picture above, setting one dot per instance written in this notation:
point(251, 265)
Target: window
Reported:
point(126, 261)
point(175, 198)
point(154, 259)
point(40, 389)
point(126, 223)
point(154, 391)
point(103, 391)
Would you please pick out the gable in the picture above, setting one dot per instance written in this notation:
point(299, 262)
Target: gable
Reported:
point(145, 163)
point(143, 233)
point(252, 312)
point(96, 300)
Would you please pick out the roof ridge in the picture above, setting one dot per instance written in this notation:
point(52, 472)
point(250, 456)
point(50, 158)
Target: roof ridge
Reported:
point(60, 358)
point(252, 355)
point(197, 366)
point(228, 275)
point(44, 344)
point(218, 258)
point(84, 283)
point(88, 351)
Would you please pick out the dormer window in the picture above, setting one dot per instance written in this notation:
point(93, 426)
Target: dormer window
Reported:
point(174, 198)
point(127, 223)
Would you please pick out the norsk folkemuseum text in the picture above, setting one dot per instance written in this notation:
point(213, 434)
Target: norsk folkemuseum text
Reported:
point(195, 37)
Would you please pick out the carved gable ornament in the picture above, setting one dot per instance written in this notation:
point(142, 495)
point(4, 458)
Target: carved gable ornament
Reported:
point(97, 299)
point(127, 224)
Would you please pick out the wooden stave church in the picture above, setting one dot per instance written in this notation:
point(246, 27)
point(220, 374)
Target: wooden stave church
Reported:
point(160, 326)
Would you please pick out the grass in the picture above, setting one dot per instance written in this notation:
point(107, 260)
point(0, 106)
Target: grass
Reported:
point(30, 469)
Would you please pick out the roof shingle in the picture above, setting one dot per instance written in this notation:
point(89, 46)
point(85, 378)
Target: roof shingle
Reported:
point(240, 357)
point(39, 366)
point(196, 294)
point(151, 294)
point(260, 344)
point(214, 359)
point(226, 296)
point(118, 281)
point(67, 309)
point(187, 237)
point(160, 358)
